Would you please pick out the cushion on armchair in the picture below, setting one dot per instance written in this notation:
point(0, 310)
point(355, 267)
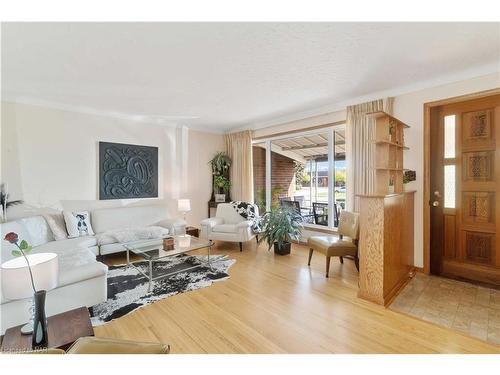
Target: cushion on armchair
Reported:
point(225, 228)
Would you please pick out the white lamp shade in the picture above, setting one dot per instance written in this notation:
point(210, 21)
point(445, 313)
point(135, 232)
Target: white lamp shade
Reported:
point(184, 205)
point(16, 282)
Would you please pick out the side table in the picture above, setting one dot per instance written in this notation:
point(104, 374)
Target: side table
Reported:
point(193, 231)
point(63, 330)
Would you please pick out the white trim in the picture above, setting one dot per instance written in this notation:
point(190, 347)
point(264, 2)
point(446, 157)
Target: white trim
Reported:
point(331, 175)
point(298, 133)
point(268, 176)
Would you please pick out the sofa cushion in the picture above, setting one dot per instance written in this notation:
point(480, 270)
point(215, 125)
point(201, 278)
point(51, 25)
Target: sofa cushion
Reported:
point(12, 226)
point(118, 218)
point(67, 245)
point(38, 229)
point(79, 273)
point(225, 228)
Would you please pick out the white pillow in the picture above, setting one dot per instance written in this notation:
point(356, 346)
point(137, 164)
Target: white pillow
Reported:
point(56, 225)
point(78, 224)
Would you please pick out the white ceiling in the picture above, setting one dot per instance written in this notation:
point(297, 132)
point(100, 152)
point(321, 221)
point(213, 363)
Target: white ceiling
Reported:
point(220, 76)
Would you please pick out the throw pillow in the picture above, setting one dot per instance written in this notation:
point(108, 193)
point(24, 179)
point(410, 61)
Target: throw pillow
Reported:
point(56, 225)
point(78, 224)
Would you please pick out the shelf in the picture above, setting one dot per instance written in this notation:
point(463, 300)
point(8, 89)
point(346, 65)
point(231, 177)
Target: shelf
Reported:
point(391, 143)
point(382, 114)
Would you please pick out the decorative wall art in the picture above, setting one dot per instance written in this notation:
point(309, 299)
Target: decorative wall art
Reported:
point(127, 171)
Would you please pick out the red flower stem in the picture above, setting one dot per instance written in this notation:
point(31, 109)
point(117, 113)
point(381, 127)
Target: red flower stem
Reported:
point(29, 267)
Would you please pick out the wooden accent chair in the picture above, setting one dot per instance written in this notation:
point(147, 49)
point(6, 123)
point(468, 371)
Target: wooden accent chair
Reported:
point(332, 246)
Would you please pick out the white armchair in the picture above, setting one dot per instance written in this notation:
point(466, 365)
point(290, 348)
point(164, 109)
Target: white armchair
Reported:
point(228, 225)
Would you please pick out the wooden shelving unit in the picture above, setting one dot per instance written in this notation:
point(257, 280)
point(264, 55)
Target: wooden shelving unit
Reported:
point(386, 217)
point(389, 148)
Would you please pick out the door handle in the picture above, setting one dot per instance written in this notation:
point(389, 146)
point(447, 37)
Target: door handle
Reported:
point(435, 203)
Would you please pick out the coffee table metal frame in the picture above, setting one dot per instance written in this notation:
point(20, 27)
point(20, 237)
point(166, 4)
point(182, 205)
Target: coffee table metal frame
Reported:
point(157, 244)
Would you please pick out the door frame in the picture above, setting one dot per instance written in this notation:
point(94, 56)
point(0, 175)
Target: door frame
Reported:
point(427, 162)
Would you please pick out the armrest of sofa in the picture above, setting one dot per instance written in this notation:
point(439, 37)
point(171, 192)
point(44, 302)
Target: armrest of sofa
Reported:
point(174, 226)
point(211, 222)
point(208, 224)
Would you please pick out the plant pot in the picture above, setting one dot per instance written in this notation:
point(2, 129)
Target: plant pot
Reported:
point(220, 198)
point(284, 249)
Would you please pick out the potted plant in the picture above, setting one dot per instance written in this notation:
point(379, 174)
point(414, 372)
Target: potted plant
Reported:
point(221, 188)
point(220, 164)
point(5, 202)
point(281, 226)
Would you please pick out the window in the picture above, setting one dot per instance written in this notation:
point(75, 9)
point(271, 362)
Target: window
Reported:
point(449, 186)
point(449, 136)
point(304, 170)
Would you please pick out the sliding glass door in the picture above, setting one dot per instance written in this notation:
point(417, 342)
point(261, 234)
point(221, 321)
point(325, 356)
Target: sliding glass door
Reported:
point(304, 170)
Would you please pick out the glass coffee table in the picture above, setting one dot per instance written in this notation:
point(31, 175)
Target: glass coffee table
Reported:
point(153, 250)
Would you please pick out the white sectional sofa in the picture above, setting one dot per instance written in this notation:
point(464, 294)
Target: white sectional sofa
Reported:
point(82, 279)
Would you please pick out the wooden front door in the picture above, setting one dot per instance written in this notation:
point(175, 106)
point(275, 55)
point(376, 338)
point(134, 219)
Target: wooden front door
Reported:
point(465, 187)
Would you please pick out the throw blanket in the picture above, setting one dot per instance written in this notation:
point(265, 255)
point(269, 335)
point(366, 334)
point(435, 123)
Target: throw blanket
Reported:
point(247, 211)
point(131, 234)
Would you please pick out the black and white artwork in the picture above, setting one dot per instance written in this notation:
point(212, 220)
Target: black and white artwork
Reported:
point(127, 171)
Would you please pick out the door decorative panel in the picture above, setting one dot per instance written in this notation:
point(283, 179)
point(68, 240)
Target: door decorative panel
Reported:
point(479, 247)
point(478, 166)
point(477, 129)
point(478, 207)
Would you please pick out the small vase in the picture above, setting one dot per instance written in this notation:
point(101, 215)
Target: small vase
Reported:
point(40, 337)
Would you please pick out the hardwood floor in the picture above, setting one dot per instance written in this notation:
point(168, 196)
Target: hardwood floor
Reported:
point(276, 304)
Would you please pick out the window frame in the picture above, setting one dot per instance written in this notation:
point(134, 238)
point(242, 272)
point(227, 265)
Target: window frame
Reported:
point(330, 130)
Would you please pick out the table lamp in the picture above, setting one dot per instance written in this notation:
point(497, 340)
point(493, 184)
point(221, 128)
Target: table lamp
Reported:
point(17, 284)
point(184, 206)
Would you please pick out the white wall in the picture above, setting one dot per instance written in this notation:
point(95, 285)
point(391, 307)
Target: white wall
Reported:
point(409, 108)
point(50, 158)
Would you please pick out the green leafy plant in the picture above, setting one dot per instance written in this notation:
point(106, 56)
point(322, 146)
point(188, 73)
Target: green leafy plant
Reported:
point(221, 185)
point(281, 225)
point(220, 164)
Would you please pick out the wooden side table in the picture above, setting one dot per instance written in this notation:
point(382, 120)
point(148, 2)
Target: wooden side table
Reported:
point(63, 330)
point(193, 231)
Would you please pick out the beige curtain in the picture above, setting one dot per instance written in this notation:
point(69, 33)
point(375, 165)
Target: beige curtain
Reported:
point(360, 131)
point(239, 149)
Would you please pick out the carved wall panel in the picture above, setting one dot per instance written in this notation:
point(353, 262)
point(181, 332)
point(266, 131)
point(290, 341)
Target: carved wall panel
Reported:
point(478, 166)
point(127, 171)
point(479, 247)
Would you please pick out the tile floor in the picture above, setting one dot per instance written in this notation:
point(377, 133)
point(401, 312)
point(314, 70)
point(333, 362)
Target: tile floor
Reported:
point(468, 308)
